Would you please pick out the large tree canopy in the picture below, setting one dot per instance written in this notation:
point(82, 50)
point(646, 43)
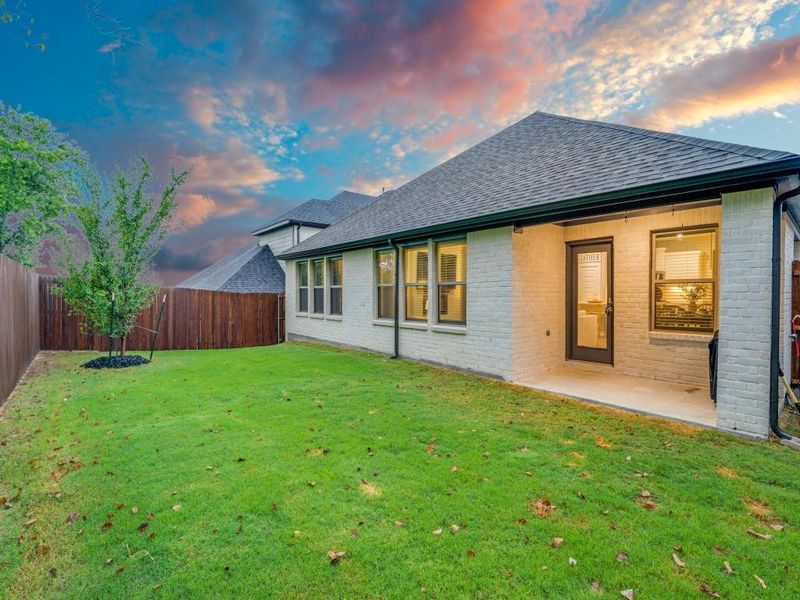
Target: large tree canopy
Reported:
point(123, 227)
point(40, 171)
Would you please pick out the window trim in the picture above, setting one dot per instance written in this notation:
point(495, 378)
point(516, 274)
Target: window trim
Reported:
point(439, 284)
point(378, 285)
point(714, 281)
point(426, 284)
point(299, 287)
point(313, 302)
point(330, 286)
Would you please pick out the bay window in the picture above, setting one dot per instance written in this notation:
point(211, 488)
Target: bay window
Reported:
point(415, 270)
point(318, 281)
point(385, 266)
point(451, 259)
point(684, 279)
point(335, 287)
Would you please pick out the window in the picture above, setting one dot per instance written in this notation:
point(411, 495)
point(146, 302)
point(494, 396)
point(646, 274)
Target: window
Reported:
point(452, 261)
point(318, 280)
point(684, 286)
point(415, 268)
point(384, 263)
point(335, 287)
point(302, 286)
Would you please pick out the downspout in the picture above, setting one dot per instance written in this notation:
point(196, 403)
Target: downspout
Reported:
point(775, 318)
point(396, 353)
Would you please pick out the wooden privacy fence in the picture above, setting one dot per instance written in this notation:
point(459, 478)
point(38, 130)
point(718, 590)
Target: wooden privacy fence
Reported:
point(192, 320)
point(19, 322)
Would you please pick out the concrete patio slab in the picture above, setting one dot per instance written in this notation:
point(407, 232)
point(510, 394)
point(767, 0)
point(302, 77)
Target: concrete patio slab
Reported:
point(677, 401)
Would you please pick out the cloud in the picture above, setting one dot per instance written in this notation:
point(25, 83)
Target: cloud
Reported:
point(614, 68)
point(405, 63)
point(740, 82)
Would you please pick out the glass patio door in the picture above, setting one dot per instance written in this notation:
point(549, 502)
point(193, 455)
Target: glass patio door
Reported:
point(590, 301)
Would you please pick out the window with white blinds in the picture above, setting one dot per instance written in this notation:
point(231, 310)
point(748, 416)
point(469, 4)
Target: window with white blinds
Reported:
point(452, 281)
point(384, 266)
point(415, 270)
point(684, 279)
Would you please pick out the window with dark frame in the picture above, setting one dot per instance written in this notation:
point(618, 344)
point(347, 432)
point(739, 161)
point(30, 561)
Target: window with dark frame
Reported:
point(335, 286)
point(415, 271)
point(452, 281)
point(302, 286)
point(684, 279)
point(385, 266)
point(318, 281)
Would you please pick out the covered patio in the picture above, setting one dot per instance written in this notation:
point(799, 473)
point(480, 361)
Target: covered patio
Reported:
point(678, 401)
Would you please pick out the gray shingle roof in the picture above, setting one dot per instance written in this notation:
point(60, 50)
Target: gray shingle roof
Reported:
point(542, 160)
point(321, 212)
point(251, 268)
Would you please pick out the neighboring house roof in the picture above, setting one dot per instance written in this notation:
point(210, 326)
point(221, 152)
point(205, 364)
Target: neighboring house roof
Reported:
point(319, 213)
point(546, 165)
point(251, 268)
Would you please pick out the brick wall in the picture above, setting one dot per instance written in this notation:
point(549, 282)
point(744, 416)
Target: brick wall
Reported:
point(540, 295)
point(745, 265)
point(484, 345)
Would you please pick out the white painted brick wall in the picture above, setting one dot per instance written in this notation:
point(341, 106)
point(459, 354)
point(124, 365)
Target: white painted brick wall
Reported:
point(485, 346)
point(745, 269)
point(540, 295)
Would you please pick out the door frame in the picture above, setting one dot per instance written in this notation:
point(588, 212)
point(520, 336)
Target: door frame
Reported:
point(572, 351)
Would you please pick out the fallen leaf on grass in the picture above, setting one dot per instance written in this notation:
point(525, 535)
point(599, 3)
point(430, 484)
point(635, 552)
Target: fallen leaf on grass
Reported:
point(542, 507)
point(708, 591)
point(72, 518)
point(759, 535)
point(354, 532)
point(640, 474)
point(760, 582)
point(42, 550)
point(597, 588)
point(143, 526)
point(312, 483)
point(649, 505)
point(776, 526)
point(370, 489)
point(727, 472)
point(627, 594)
point(572, 562)
point(728, 570)
point(135, 509)
point(603, 442)
point(454, 528)
point(109, 561)
point(399, 524)
point(120, 570)
point(29, 522)
point(106, 526)
point(157, 586)
point(678, 561)
point(556, 542)
point(176, 507)
point(757, 508)
point(623, 557)
point(471, 553)
point(645, 494)
point(437, 531)
point(335, 556)
point(430, 449)
point(453, 469)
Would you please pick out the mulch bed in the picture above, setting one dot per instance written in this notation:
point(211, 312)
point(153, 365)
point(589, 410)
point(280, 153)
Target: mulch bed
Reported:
point(116, 362)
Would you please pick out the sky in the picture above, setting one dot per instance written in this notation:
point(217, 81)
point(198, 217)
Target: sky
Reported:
point(273, 103)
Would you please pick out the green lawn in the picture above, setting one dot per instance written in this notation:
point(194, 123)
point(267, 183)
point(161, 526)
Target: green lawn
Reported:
point(233, 473)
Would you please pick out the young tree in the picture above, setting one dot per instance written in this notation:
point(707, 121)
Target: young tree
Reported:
point(123, 229)
point(40, 171)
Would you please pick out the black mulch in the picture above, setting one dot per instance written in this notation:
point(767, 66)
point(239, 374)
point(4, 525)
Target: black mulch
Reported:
point(116, 362)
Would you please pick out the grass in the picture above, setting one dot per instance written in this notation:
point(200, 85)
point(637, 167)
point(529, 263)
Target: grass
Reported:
point(248, 466)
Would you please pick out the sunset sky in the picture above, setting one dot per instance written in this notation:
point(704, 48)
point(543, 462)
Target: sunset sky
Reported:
point(273, 103)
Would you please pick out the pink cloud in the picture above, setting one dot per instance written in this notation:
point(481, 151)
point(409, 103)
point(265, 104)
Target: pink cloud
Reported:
point(743, 81)
point(455, 59)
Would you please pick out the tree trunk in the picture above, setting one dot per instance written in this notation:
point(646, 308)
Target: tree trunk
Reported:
point(122, 341)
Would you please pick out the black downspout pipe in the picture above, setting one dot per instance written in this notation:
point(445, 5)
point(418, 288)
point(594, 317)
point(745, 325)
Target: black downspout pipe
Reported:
point(396, 353)
point(775, 318)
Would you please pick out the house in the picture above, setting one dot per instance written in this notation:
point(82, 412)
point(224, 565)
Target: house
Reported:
point(586, 258)
point(253, 267)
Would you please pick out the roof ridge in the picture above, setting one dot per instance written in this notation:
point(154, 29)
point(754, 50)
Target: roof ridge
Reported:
point(677, 138)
